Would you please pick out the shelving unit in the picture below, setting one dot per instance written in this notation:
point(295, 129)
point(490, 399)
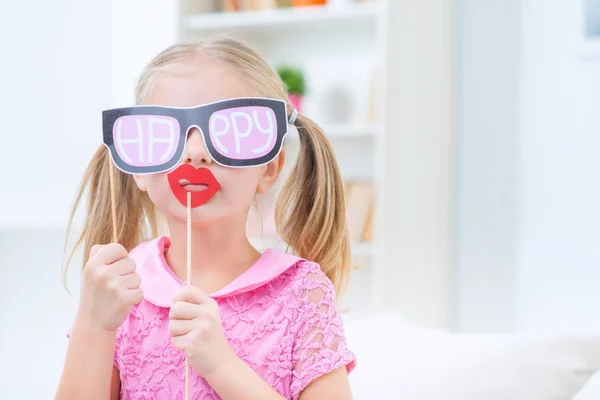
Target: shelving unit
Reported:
point(338, 48)
point(359, 249)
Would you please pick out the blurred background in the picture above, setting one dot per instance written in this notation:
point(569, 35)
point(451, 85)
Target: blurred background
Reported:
point(466, 131)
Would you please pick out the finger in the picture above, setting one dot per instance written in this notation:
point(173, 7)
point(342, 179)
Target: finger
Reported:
point(134, 296)
point(181, 342)
point(178, 327)
point(123, 267)
point(191, 294)
point(95, 248)
point(110, 253)
point(131, 281)
point(184, 310)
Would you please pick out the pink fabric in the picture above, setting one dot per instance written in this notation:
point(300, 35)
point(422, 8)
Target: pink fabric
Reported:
point(279, 317)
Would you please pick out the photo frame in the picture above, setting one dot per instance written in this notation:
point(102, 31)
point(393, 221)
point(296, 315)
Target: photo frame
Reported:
point(588, 29)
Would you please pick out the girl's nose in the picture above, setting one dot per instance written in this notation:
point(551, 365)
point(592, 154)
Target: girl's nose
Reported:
point(195, 150)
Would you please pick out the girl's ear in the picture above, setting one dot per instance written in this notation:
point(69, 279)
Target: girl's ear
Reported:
point(271, 173)
point(140, 180)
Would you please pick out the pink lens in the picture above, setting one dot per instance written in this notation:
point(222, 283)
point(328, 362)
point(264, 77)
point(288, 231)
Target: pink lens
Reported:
point(243, 133)
point(146, 140)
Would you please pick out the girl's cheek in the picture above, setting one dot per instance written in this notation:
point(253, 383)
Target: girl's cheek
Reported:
point(159, 190)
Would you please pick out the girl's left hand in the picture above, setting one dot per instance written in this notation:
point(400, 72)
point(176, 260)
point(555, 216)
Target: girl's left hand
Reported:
point(195, 327)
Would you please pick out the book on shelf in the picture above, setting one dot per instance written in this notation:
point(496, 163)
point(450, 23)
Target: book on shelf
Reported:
point(212, 6)
point(374, 93)
point(360, 203)
point(367, 235)
point(249, 5)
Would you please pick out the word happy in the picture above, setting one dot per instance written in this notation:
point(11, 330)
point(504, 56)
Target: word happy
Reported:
point(240, 133)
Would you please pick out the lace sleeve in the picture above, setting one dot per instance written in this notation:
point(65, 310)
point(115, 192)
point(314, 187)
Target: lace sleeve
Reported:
point(320, 345)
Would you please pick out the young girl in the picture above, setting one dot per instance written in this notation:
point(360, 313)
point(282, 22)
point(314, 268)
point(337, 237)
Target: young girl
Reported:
point(252, 326)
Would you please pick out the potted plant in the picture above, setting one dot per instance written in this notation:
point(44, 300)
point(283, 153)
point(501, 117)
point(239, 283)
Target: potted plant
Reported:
point(293, 78)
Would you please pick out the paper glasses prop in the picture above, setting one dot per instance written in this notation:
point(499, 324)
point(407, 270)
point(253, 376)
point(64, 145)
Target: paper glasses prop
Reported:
point(241, 132)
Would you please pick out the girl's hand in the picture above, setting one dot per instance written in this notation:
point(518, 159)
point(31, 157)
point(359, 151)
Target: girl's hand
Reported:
point(110, 287)
point(195, 327)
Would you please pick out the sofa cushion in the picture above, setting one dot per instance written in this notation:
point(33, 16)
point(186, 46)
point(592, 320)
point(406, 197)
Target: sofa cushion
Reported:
point(399, 360)
point(591, 389)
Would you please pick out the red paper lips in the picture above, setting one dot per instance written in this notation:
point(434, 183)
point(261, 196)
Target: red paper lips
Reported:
point(200, 182)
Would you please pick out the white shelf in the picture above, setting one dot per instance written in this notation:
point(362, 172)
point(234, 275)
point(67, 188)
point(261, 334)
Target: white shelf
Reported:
point(281, 17)
point(348, 130)
point(262, 243)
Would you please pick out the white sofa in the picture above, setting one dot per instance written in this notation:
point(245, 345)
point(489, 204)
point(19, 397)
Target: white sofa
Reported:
point(398, 360)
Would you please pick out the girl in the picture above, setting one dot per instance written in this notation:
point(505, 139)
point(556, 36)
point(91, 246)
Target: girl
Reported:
point(269, 328)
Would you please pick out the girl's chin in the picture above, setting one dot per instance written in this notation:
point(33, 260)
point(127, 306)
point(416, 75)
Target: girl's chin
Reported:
point(204, 214)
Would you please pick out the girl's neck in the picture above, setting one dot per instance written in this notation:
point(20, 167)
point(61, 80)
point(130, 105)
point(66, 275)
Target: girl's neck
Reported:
point(220, 253)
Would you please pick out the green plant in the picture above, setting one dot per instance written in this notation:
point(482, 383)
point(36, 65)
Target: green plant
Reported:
point(293, 78)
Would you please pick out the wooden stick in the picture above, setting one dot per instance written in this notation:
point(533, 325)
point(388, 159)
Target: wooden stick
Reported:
point(111, 177)
point(189, 238)
point(188, 279)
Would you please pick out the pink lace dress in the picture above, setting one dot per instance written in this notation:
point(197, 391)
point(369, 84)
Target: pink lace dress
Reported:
point(279, 317)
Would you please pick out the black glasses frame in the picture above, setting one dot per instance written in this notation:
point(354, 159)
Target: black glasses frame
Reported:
point(198, 117)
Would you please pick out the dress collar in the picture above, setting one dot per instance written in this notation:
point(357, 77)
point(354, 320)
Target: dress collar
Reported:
point(159, 283)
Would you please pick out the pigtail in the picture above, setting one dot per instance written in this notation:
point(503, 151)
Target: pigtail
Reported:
point(310, 213)
point(135, 211)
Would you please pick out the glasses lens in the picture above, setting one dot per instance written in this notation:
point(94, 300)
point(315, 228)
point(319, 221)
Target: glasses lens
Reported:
point(146, 140)
point(243, 133)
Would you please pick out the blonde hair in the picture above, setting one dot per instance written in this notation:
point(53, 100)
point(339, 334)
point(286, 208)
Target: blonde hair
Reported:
point(310, 209)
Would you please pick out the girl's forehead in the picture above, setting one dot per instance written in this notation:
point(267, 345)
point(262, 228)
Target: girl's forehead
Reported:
point(184, 86)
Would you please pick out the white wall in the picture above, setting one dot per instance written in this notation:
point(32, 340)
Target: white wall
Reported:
point(140, 29)
point(414, 223)
point(63, 62)
point(66, 62)
point(54, 77)
point(485, 163)
point(558, 279)
point(527, 169)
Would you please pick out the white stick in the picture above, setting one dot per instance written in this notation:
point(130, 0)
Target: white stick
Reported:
point(111, 177)
point(188, 280)
point(189, 238)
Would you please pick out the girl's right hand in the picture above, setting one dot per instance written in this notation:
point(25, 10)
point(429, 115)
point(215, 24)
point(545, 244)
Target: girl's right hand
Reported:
point(110, 287)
